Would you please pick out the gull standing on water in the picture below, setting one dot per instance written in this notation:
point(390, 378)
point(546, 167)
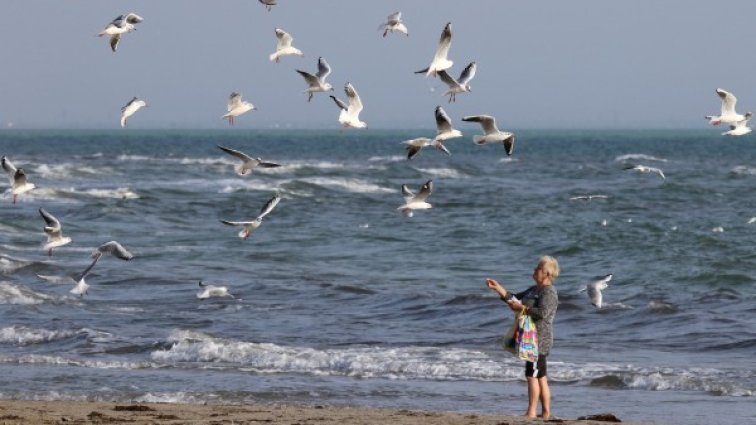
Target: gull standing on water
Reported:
point(249, 226)
point(317, 82)
point(727, 114)
point(440, 62)
point(416, 202)
point(268, 4)
point(740, 128)
point(492, 134)
point(209, 291)
point(120, 25)
point(394, 24)
point(646, 169)
point(458, 86)
point(54, 232)
point(415, 145)
point(248, 163)
point(284, 47)
point(594, 290)
point(236, 107)
point(444, 126)
point(130, 109)
point(17, 178)
point(350, 114)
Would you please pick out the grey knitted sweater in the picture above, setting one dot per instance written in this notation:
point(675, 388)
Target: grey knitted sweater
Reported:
point(542, 306)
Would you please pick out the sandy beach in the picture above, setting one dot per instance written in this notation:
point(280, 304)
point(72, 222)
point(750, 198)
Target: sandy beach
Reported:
point(82, 412)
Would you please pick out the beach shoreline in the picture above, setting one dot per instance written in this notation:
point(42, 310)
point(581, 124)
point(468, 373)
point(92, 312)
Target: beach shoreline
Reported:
point(85, 412)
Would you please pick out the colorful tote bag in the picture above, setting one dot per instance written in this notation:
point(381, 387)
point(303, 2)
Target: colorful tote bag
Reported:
point(526, 341)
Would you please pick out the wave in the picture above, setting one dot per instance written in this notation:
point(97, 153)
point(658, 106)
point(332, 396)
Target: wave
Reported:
point(443, 173)
point(350, 185)
point(66, 170)
point(16, 294)
point(41, 359)
point(390, 158)
point(9, 265)
point(22, 335)
point(744, 170)
point(638, 156)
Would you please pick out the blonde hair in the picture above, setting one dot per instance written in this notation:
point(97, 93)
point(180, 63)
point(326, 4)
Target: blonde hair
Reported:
point(550, 266)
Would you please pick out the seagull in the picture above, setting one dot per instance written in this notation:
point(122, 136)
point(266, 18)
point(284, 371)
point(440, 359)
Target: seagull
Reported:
point(751, 220)
point(458, 86)
point(212, 291)
point(645, 170)
point(55, 237)
point(350, 114)
point(81, 286)
point(248, 163)
point(284, 47)
point(728, 114)
point(120, 25)
point(236, 107)
point(444, 126)
point(587, 197)
point(113, 248)
point(317, 83)
point(394, 24)
point(415, 202)
point(17, 178)
point(130, 109)
point(415, 145)
point(594, 289)
point(440, 62)
point(268, 4)
point(740, 128)
point(249, 226)
point(492, 134)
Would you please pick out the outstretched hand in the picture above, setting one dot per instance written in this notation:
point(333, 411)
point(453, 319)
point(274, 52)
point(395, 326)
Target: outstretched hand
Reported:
point(492, 284)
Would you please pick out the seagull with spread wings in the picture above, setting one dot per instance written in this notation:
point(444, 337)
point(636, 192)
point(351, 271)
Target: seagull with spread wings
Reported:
point(283, 46)
point(594, 290)
point(644, 169)
point(350, 113)
point(445, 131)
point(317, 83)
point(417, 201)
point(440, 61)
point(394, 24)
point(130, 109)
point(249, 226)
point(727, 114)
point(17, 178)
point(236, 107)
point(491, 132)
point(118, 26)
point(55, 238)
point(248, 163)
point(458, 86)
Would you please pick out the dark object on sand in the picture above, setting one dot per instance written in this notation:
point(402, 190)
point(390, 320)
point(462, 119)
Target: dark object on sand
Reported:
point(602, 417)
point(134, 408)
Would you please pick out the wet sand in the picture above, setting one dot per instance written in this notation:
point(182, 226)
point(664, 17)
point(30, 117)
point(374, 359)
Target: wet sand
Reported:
point(82, 412)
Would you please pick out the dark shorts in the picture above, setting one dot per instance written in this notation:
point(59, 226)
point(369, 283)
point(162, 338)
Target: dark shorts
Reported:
point(537, 370)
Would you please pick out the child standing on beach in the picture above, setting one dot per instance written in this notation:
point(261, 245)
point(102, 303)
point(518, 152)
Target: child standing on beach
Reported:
point(540, 303)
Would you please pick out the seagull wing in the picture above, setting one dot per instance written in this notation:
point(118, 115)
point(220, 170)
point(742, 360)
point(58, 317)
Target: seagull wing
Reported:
point(467, 74)
point(133, 18)
point(236, 223)
point(394, 18)
point(114, 40)
point(340, 103)
point(82, 275)
point(355, 104)
point(129, 104)
point(407, 193)
point(594, 293)
point(241, 155)
point(444, 43)
point(487, 122)
point(443, 122)
point(728, 102)
point(284, 39)
point(311, 80)
point(448, 79)
point(9, 168)
point(324, 70)
point(53, 225)
point(268, 207)
point(425, 191)
point(234, 100)
point(115, 249)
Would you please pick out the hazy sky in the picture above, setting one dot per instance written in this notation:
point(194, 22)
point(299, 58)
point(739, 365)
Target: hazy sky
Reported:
point(541, 64)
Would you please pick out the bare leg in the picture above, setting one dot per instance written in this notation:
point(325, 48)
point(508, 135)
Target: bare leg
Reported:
point(545, 398)
point(534, 394)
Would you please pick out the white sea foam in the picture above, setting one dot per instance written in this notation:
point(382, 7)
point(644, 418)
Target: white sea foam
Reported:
point(449, 173)
point(179, 397)
point(9, 264)
point(638, 157)
point(41, 359)
point(392, 158)
point(350, 185)
point(118, 193)
point(16, 294)
point(22, 335)
point(744, 170)
point(136, 158)
point(66, 170)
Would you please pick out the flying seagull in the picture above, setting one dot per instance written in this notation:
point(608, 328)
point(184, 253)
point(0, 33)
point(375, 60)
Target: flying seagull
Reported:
point(113, 248)
point(645, 170)
point(120, 25)
point(130, 109)
point(249, 226)
point(394, 24)
point(727, 114)
point(444, 126)
point(415, 202)
point(284, 47)
point(594, 289)
point(268, 4)
point(350, 114)
point(236, 107)
point(740, 128)
point(492, 134)
point(17, 178)
point(317, 82)
point(55, 237)
point(415, 145)
point(248, 163)
point(458, 86)
point(209, 291)
point(80, 288)
point(440, 62)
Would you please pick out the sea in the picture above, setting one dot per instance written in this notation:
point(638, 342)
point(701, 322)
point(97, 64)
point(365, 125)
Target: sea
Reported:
point(340, 299)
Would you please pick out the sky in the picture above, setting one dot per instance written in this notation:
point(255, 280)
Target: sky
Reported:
point(547, 64)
